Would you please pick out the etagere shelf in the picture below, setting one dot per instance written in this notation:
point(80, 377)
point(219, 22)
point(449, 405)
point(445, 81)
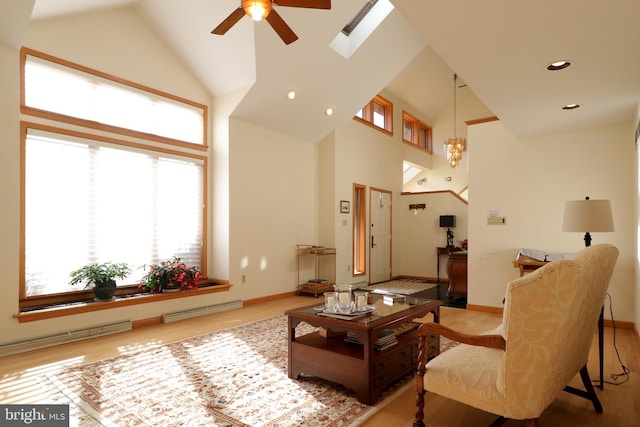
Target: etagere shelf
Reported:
point(315, 285)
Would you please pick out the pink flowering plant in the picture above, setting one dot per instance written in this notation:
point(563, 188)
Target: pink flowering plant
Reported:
point(173, 274)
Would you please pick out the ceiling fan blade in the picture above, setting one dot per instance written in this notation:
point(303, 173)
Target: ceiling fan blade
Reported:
point(229, 22)
point(310, 4)
point(284, 31)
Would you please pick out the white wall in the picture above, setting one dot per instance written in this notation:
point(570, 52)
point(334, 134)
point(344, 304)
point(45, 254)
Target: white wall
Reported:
point(273, 207)
point(528, 180)
point(9, 189)
point(419, 234)
point(366, 156)
point(440, 176)
point(637, 222)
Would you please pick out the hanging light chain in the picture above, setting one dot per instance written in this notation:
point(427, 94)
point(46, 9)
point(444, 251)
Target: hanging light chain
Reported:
point(455, 109)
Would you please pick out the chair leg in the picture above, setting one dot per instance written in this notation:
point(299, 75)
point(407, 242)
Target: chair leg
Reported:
point(533, 422)
point(498, 422)
point(419, 382)
point(589, 392)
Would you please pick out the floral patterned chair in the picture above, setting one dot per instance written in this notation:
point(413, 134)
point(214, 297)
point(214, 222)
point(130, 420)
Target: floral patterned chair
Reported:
point(516, 370)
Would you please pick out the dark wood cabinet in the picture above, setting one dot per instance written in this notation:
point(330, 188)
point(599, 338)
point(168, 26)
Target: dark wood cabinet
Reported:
point(457, 272)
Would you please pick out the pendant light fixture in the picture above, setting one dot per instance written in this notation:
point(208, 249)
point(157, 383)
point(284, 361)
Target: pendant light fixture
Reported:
point(455, 146)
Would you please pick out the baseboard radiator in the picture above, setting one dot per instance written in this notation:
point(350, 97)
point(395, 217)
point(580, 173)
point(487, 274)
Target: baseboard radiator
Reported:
point(200, 311)
point(63, 338)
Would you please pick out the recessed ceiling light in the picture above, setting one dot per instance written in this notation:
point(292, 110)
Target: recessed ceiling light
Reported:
point(291, 94)
point(558, 65)
point(328, 111)
point(571, 106)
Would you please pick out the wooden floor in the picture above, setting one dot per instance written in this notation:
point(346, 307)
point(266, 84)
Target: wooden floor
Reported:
point(19, 373)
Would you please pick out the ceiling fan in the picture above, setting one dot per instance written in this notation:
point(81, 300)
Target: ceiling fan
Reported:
point(259, 9)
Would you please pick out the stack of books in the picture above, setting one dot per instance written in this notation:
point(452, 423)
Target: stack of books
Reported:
point(386, 339)
point(391, 299)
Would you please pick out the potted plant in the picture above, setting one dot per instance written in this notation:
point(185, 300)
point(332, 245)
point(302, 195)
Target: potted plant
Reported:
point(170, 276)
point(103, 276)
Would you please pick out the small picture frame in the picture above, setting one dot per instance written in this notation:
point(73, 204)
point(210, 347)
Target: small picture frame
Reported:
point(344, 206)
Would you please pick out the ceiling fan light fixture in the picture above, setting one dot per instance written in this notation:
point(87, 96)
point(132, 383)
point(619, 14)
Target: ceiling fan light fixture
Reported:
point(257, 9)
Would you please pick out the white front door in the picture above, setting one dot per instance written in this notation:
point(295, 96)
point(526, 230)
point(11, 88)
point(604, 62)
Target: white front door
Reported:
point(380, 236)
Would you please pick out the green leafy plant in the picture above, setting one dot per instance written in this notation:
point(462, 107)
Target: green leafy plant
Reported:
point(99, 273)
point(172, 274)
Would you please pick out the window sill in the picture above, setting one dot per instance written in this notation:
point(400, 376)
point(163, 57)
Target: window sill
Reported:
point(87, 307)
point(424, 150)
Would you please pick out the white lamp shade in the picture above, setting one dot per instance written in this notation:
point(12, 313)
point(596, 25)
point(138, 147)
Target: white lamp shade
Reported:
point(587, 216)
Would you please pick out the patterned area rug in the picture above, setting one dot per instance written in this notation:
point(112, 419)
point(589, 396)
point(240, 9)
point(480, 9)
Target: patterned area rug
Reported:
point(401, 286)
point(235, 377)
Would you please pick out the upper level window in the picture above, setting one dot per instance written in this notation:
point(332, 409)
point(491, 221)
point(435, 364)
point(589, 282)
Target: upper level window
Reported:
point(378, 113)
point(415, 132)
point(56, 86)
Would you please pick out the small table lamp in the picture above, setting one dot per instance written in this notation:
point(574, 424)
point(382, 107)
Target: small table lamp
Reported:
point(448, 221)
point(587, 216)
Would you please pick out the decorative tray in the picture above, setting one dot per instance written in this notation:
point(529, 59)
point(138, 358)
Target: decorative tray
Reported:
point(347, 316)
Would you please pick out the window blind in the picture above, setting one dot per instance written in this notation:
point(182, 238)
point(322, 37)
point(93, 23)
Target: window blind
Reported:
point(89, 201)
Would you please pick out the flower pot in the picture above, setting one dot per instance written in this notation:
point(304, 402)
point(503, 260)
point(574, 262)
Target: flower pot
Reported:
point(104, 290)
point(171, 290)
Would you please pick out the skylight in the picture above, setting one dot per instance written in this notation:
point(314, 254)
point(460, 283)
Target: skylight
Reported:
point(359, 17)
point(361, 26)
point(409, 171)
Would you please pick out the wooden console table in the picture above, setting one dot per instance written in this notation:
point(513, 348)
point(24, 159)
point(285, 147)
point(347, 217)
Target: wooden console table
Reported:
point(360, 367)
point(527, 265)
point(457, 273)
point(444, 251)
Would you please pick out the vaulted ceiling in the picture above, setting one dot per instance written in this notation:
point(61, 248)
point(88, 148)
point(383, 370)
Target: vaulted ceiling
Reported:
point(499, 48)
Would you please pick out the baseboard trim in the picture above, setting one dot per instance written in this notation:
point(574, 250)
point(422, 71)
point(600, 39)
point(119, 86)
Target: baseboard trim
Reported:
point(620, 324)
point(268, 298)
point(484, 308)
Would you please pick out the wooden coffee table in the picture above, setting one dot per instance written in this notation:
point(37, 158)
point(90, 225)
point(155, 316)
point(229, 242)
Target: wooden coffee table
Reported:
point(361, 367)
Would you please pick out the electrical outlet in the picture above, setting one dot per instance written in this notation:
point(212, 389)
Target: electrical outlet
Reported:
point(497, 220)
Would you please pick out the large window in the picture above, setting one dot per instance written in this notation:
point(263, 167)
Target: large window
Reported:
point(90, 197)
point(377, 113)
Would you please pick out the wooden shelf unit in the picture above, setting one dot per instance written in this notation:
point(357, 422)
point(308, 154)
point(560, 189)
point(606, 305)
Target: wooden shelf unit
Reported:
point(314, 286)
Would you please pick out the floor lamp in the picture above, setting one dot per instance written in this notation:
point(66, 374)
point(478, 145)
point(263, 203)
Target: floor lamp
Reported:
point(586, 216)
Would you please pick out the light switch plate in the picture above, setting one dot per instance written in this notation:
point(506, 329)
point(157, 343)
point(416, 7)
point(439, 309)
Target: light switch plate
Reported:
point(497, 220)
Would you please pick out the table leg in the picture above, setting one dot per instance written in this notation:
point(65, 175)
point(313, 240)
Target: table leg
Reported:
point(438, 278)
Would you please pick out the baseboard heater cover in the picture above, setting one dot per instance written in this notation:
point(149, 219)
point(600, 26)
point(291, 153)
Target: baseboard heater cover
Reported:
point(63, 338)
point(200, 311)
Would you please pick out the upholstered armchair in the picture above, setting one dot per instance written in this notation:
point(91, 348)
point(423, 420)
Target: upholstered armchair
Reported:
point(516, 370)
